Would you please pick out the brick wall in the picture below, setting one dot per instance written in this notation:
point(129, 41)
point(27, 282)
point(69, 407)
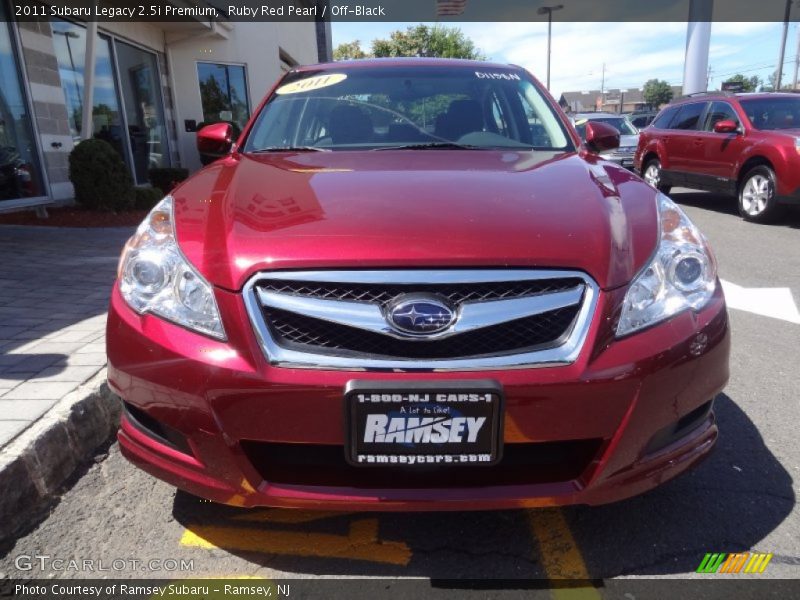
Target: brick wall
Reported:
point(49, 107)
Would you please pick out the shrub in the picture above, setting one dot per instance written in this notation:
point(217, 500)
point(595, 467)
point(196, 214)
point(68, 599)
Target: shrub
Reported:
point(146, 197)
point(100, 177)
point(166, 178)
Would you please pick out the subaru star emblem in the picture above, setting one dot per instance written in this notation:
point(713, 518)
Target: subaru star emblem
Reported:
point(420, 315)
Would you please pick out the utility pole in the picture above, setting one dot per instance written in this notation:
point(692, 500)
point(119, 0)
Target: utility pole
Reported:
point(796, 61)
point(549, 10)
point(603, 88)
point(782, 55)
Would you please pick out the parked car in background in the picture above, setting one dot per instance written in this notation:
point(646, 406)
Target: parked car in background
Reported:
point(642, 119)
point(390, 294)
point(746, 145)
point(628, 139)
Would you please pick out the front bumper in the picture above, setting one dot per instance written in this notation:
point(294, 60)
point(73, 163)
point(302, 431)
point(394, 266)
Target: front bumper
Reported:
point(237, 414)
point(623, 159)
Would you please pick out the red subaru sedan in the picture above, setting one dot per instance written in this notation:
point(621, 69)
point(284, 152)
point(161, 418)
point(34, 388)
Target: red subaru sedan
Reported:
point(409, 286)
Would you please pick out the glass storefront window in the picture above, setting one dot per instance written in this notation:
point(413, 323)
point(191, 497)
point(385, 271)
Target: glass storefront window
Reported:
point(20, 176)
point(223, 91)
point(141, 91)
point(127, 112)
point(69, 41)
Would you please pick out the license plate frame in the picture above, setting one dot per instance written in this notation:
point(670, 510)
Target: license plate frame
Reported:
point(488, 439)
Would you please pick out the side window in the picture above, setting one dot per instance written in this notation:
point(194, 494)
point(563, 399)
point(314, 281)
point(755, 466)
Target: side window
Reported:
point(688, 116)
point(663, 120)
point(720, 111)
point(223, 94)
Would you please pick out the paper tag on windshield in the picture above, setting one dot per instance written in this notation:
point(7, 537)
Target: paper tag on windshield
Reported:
point(311, 84)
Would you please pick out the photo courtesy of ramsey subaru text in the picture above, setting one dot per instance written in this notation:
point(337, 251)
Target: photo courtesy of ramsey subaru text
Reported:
point(409, 285)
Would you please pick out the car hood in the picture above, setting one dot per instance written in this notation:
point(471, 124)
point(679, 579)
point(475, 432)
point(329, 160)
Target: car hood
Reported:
point(395, 209)
point(628, 140)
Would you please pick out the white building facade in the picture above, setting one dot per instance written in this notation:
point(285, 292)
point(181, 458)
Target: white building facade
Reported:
point(149, 86)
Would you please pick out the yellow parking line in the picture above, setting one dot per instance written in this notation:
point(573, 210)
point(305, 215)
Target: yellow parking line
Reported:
point(561, 559)
point(361, 543)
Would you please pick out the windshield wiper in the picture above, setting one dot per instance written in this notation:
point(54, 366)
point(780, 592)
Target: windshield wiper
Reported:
point(289, 149)
point(431, 145)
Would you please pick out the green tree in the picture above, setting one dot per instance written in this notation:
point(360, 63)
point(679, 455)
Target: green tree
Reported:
point(786, 82)
point(213, 99)
point(421, 40)
point(657, 92)
point(348, 51)
point(750, 84)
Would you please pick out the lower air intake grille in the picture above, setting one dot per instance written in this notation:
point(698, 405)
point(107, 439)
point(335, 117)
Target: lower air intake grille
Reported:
point(325, 465)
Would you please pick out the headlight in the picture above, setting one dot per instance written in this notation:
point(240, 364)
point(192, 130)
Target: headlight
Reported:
point(681, 275)
point(155, 277)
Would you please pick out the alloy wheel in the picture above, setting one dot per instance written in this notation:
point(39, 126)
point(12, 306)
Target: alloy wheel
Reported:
point(652, 174)
point(756, 194)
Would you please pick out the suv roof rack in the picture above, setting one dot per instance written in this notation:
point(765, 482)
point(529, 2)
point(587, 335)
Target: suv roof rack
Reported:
point(707, 93)
point(723, 93)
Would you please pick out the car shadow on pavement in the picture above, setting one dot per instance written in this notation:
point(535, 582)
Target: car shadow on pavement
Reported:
point(727, 205)
point(729, 503)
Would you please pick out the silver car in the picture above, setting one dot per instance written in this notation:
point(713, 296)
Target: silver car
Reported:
point(628, 135)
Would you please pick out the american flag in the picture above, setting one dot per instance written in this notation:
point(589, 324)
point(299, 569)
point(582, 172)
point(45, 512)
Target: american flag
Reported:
point(450, 8)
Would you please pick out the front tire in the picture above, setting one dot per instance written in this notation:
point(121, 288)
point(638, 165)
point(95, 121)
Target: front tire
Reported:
point(651, 173)
point(758, 200)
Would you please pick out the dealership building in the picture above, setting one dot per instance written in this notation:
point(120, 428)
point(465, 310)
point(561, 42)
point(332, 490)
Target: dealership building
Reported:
point(149, 86)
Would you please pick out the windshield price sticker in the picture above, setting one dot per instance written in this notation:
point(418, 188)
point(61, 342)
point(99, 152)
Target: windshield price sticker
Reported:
point(311, 84)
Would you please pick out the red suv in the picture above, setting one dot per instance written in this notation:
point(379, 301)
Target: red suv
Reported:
point(740, 144)
point(409, 286)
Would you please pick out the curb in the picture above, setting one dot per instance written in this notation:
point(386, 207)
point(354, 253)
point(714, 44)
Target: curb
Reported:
point(35, 467)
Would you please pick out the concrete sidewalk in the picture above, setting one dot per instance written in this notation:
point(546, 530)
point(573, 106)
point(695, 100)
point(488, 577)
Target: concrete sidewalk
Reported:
point(54, 291)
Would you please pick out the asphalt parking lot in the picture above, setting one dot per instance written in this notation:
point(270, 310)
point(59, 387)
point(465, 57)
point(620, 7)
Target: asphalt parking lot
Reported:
point(741, 499)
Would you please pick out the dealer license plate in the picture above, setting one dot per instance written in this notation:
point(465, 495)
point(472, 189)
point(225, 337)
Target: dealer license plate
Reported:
point(423, 424)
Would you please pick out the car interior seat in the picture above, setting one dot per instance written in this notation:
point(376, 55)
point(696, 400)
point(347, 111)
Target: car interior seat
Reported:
point(350, 124)
point(461, 117)
point(780, 119)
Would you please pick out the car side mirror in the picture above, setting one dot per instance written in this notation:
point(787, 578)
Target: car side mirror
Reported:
point(214, 141)
point(601, 137)
point(726, 126)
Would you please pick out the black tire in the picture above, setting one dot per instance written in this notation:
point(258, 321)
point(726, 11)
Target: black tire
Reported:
point(654, 163)
point(757, 203)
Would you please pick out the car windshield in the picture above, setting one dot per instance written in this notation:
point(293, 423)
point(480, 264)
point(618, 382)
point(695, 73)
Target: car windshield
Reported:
point(773, 113)
point(621, 124)
point(424, 107)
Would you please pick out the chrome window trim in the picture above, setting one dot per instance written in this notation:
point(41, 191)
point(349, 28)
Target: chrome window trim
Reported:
point(564, 354)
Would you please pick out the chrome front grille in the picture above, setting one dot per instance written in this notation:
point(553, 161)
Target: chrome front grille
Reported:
point(626, 152)
point(383, 294)
point(338, 319)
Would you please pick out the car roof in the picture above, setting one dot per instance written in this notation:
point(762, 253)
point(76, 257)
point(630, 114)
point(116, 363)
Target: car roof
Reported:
point(709, 96)
point(406, 62)
point(598, 115)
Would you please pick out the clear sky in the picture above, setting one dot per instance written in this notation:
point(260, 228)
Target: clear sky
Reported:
point(632, 52)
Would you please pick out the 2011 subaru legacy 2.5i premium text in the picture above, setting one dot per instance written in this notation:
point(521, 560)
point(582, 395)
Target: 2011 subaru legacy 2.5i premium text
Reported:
point(409, 286)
